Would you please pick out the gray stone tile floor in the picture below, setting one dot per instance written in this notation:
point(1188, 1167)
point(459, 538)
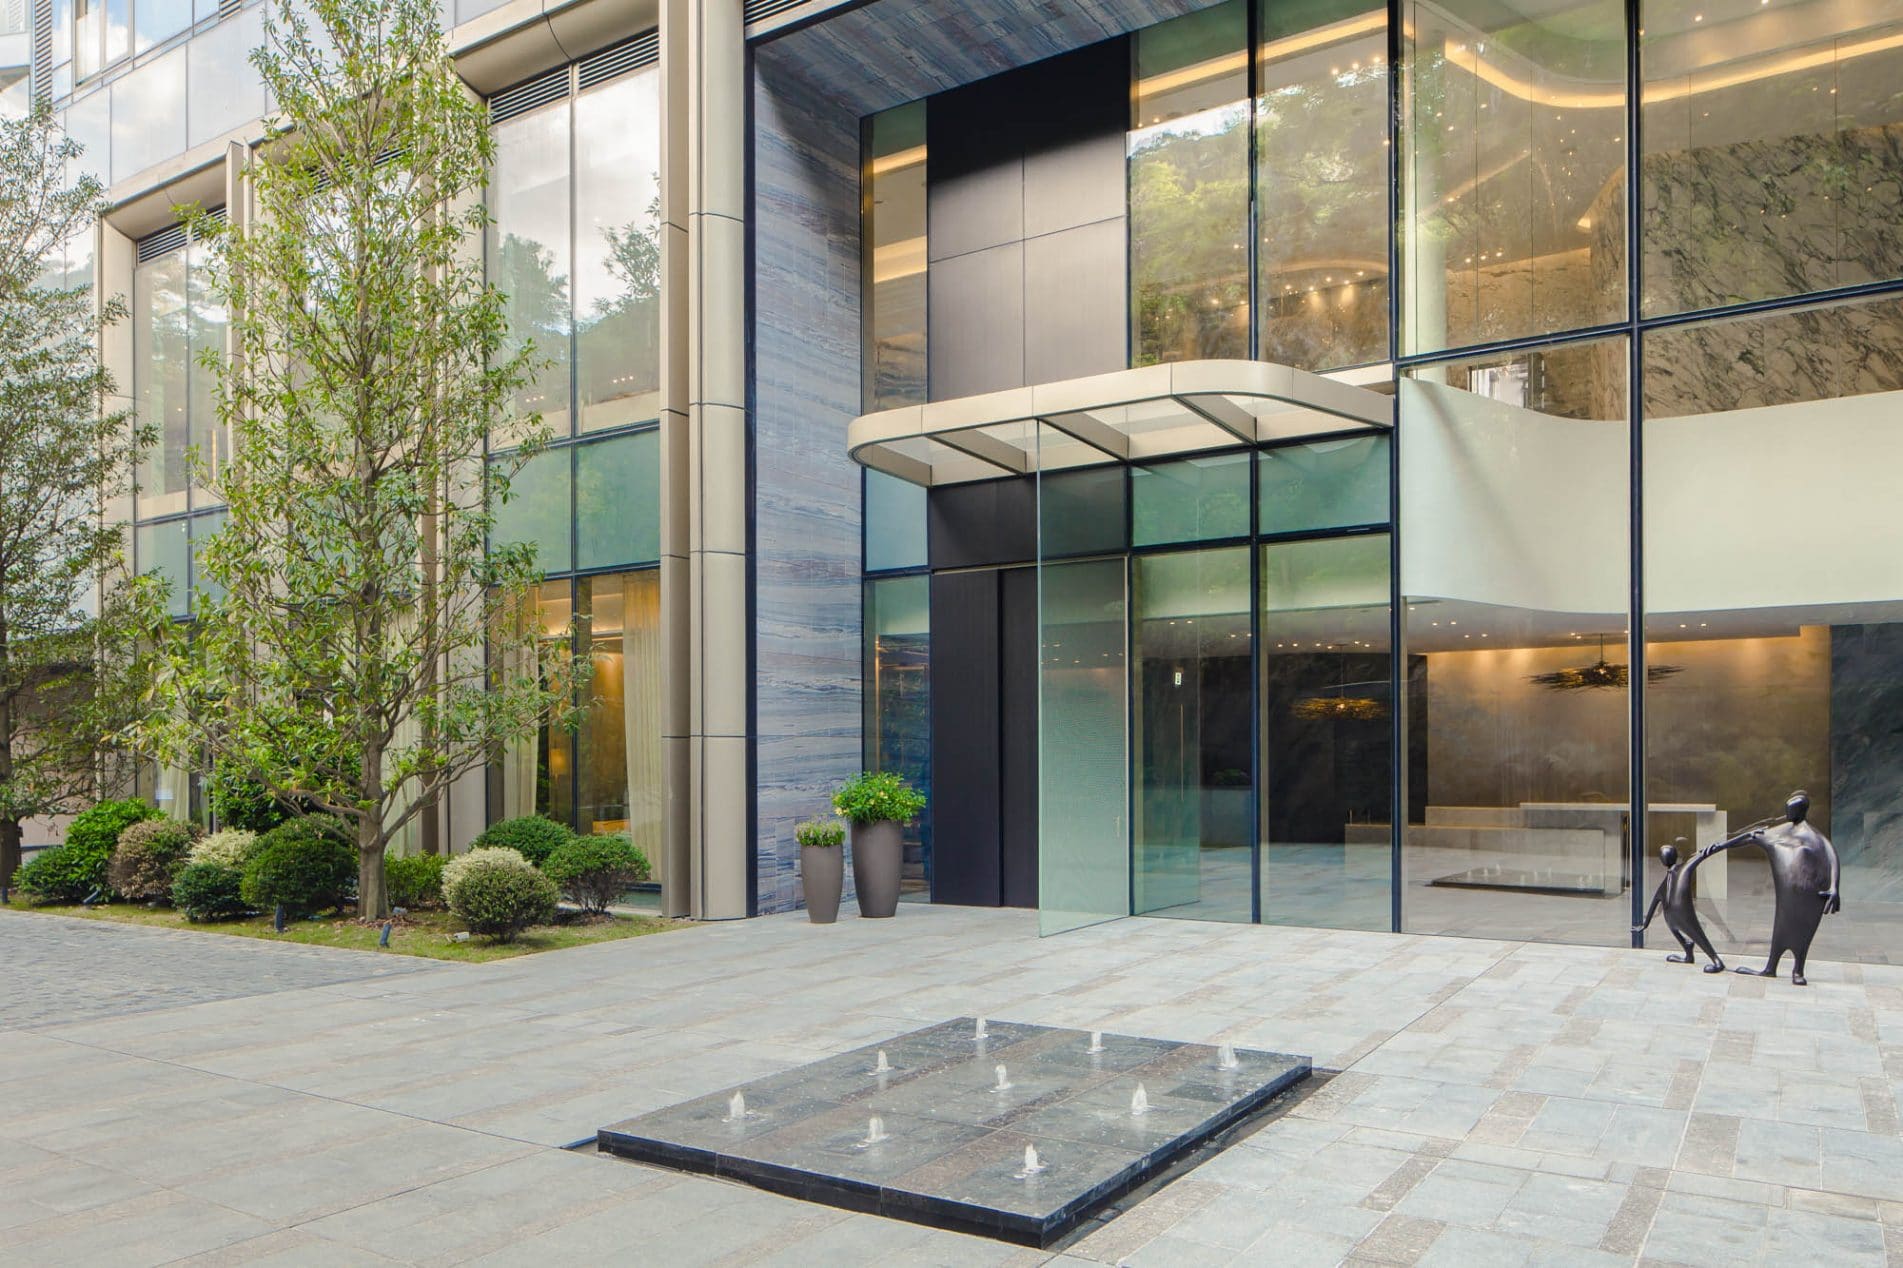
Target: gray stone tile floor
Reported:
point(177, 1097)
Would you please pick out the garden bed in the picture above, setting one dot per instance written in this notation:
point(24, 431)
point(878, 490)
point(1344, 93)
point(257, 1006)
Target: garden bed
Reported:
point(430, 934)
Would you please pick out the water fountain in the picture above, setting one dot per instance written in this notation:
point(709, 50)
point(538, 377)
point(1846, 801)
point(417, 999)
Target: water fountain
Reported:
point(1226, 1057)
point(980, 1033)
point(1003, 1084)
point(1031, 1165)
point(1096, 1041)
point(736, 1107)
point(875, 1132)
point(1139, 1102)
point(882, 1066)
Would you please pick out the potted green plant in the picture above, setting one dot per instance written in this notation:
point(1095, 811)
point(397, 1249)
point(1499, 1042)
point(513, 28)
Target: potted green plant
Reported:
point(877, 804)
point(822, 867)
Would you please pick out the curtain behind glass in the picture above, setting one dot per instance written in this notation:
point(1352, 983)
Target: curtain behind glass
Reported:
point(641, 714)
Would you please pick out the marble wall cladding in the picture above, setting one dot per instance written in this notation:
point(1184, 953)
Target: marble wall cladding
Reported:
point(895, 51)
point(1866, 757)
point(805, 219)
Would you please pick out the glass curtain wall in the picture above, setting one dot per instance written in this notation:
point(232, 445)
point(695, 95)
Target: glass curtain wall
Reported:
point(898, 695)
point(1516, 574)
point(894, 238)
point(1774, 596)
point(575, 247)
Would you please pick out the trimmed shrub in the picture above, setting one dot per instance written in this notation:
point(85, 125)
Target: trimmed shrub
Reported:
point(74, 871)
point(593, 871)
point(820, 834)
point(308, 865)
point(231, 848)
point(237, 802)
point(531, 836)
point(416, 881)
point(209, 891)
point(149, 856)
point(878, 797)
point(497, 892)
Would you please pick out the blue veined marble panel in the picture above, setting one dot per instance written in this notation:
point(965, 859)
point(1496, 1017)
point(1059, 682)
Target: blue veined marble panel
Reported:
point(806, 490)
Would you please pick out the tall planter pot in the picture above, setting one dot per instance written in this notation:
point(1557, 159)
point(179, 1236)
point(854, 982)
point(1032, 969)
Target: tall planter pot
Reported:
point(876, 856)
point(822, 874)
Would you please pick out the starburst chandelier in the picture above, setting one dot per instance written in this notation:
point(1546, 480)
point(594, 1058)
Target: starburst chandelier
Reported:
point(1601, 673)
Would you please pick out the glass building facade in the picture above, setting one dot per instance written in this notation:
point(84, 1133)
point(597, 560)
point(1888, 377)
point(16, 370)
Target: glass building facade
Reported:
point(1622, 547)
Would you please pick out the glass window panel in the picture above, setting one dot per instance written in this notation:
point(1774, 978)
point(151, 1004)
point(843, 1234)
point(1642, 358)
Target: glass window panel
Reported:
point(538, 510)
point(16, 92)
point(554, 761)
point(894, 294)
point(618, 251)
point(203, 528)
point(118, 30)
point(1195, 499)
point(205, 324)
point(160, 20)
point(618, 746)
point(1774, 592)
point(164, 551)
point(1513, 219)
point(1322, 183)
point(618, 501)
point(1191, 735)
point(1328, 484)
point(895, 522)
point(161, 376)
point(898, 697)
point(1189, 188)
point(1516, 570)
point(1083, 512)
point(1327, 734)
point(1773, 150)
point(148, 115)
point(89, 22)
point(225, 90)
point(529, 251)
point(89, 122)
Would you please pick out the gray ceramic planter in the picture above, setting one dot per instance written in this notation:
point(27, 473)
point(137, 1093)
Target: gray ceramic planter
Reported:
point(876, 855)
point(822, 873)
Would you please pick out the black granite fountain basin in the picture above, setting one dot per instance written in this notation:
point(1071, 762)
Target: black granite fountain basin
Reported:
point(952, 1150)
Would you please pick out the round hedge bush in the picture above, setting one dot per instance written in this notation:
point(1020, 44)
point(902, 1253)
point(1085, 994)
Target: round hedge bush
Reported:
point(307, 866)
point(149, 856)
point(593, 871)
point(209, 891)
point(497, 892)
point(231, 848)
point(531, 836)
point(416, 881)
point(74, 871)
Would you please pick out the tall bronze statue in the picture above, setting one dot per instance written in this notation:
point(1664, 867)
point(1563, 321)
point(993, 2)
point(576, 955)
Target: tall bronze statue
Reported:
point(1804, 874)
point(1674, 898)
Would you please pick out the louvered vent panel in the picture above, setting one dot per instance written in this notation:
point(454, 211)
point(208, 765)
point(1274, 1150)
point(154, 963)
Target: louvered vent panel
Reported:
point(43, 49)
point(642, 50)
point(166, 241)
point(228, 7)
point(761, 10)
point(524, 97)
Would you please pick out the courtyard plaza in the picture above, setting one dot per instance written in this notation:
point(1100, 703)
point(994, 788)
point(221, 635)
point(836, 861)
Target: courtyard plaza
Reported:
point(175, 1097)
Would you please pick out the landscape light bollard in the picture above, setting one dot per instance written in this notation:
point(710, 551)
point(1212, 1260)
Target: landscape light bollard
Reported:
point(383, 938)
point(277, 919)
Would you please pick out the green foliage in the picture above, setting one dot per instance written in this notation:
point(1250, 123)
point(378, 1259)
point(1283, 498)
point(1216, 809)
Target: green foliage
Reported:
point(498, 893)
point(71, 677)
point(878, 796)
point(209, 891)
point(531, 836)
point(824, 833)
point(231, 848)
point(238, 802)
point(307, 865)
point(415, 881)
point(595, 870)
point(363, 647)
point(149, 856)
point(74, 871)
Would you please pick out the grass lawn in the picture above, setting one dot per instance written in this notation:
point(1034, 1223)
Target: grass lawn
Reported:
point(426, 933)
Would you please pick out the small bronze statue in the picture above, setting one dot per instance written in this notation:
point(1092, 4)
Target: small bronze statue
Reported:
point(1804, 873)
point(1674, 897)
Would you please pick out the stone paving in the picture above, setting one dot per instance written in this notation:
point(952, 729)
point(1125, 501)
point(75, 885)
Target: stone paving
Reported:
point(1500, 1103)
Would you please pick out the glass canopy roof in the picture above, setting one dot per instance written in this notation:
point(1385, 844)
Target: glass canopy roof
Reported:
point(1126, 416)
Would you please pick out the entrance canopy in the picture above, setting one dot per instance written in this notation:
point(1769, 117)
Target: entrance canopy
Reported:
point(1134, 415)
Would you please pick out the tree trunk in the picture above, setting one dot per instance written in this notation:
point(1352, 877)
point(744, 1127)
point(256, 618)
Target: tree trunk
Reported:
point(9, 850)
point(373, 898)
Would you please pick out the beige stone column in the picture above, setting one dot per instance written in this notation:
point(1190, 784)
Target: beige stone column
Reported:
point(703, 457)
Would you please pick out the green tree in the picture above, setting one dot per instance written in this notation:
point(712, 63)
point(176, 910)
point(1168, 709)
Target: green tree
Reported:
point(343, 667)
point(68, 667)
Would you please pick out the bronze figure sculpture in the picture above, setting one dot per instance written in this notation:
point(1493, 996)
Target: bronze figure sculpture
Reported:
point(1674, 898)
point(1804, 874)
